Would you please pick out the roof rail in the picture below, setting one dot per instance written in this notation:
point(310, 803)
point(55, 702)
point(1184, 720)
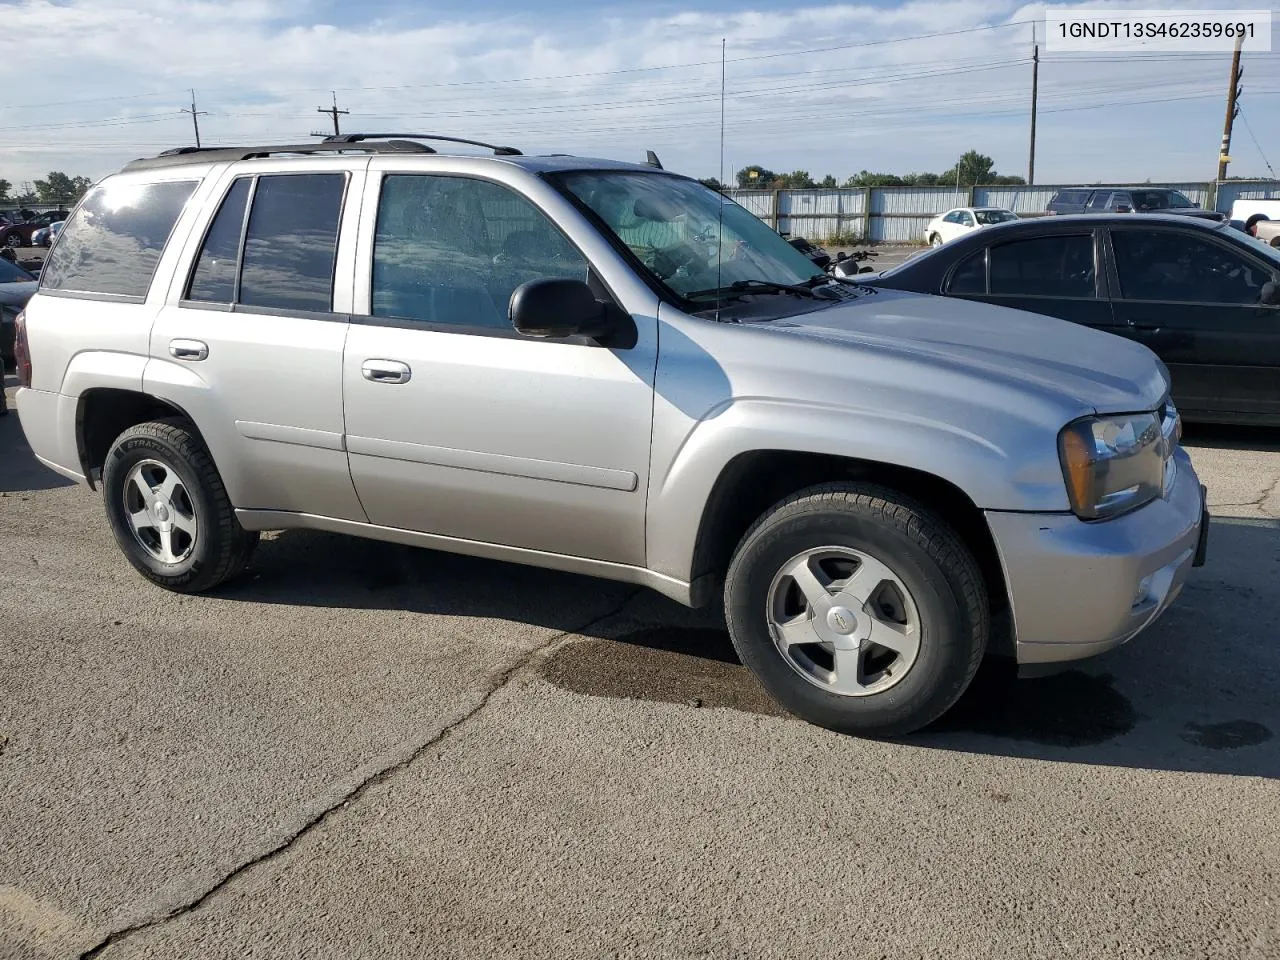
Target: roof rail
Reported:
point(183, 155)
point(360, 137)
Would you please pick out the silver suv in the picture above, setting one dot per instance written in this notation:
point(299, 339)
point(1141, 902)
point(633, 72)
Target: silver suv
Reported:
point(604, 368)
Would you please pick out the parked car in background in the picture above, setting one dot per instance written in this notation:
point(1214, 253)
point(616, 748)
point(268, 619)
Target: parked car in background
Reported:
point(20, 234)
point(1202, 296)
point(958, 222)
point(45, 236)
point(1127, 200)
point(16, 288)
point(541, 359)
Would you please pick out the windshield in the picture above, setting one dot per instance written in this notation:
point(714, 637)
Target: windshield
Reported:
point(672, 226)
point(12, 274)
point(988, 217)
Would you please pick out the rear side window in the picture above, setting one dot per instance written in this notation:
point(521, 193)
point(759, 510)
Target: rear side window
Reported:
point(1059, 266)
point(282, 257)
point(114, 241)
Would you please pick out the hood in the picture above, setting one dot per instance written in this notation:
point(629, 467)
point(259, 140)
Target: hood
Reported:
point(17, 294)
point(1099, 370)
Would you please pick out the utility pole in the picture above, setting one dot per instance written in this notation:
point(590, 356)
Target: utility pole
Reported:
point(195, 116)
point(1233, 96)
point(333, 111)
point(1035, 96)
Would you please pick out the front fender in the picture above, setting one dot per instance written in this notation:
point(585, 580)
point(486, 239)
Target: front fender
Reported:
point(1013, 468)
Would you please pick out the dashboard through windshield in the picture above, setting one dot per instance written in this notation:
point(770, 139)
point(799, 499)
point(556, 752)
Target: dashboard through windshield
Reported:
point(691, 239)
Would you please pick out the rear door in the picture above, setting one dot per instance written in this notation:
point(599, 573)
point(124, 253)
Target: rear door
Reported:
point(249, 342)
point(1056, 274)
point(1194, 299)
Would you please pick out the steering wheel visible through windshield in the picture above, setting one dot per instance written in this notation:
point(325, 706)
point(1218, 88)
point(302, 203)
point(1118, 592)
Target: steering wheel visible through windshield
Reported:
point(673, 226)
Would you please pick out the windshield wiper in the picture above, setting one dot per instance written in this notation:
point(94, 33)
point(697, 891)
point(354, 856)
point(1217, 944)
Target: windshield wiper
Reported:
point(755, 286)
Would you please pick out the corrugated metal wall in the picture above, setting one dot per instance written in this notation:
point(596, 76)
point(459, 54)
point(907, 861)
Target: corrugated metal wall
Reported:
point(899, 214)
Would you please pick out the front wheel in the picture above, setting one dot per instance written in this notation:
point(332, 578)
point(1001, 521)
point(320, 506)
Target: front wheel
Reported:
point(169, 510)
point(858, 609)
point(935, 241)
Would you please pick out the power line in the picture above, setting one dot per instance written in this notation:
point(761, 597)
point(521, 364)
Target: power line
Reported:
point(1249, 129)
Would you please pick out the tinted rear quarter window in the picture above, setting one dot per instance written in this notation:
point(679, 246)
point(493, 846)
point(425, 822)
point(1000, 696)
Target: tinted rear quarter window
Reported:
point(113, 242)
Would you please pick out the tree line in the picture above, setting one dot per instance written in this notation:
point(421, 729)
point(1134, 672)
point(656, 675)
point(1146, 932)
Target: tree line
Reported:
point(57, 187)
point(972, 168)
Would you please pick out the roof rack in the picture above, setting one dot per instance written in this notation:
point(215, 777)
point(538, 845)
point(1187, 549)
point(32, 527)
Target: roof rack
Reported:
point(360, 137)
point(181, 155)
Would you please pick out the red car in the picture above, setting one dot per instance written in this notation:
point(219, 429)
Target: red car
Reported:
point(19, 234)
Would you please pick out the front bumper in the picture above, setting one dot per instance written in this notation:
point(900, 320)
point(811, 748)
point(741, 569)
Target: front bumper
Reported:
point(1078, 589)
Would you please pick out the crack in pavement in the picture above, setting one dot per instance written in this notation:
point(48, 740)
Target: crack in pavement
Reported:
point(375, 778)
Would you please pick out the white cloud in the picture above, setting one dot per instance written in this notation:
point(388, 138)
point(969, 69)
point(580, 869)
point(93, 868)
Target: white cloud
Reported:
point(261, 68)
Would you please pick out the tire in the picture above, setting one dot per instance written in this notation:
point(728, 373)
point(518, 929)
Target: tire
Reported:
point(935, 241)
point(933, 597)
point(205, 545)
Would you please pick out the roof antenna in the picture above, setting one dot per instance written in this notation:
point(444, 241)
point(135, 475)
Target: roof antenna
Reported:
point(720, 229)
point(652, 160)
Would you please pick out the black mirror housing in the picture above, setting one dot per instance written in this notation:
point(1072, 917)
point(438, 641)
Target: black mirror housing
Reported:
point(557, 307)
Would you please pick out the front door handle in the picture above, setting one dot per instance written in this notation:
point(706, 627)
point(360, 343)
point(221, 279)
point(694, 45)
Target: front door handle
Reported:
point(386, 371)
point(188, 349)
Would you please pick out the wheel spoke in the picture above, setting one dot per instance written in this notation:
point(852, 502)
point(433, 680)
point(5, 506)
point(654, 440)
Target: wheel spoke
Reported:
point(864, 580)
point(799, 630)
point(902, 639)
point(166, 546)
point(144, 489)
point(169, 485)
point(184, 523)
point(141, 520)
point(807, 579)
point(847, 675)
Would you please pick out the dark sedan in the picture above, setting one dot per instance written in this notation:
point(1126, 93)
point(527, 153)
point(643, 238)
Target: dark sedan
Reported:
point(1202, 296)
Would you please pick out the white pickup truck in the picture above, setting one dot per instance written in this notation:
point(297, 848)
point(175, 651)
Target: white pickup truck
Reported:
point(1267, 229)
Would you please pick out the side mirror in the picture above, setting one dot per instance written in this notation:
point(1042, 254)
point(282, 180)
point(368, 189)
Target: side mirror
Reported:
point(1270, 296)
point(557, 308)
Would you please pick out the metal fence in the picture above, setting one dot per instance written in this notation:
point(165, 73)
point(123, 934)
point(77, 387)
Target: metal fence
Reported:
point(899, 214)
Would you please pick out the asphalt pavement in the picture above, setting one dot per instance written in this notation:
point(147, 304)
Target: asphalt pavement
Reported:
point(365, 750)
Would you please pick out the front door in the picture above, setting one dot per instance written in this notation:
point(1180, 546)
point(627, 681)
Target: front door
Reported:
point(249, 343)
point(458, 426)
point(1195, 301)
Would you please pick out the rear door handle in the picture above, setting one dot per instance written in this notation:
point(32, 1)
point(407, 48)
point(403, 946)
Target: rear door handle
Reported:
point(386, 371)
point(188, 349)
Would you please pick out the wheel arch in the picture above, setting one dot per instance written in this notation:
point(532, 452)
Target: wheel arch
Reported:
point(103, 413)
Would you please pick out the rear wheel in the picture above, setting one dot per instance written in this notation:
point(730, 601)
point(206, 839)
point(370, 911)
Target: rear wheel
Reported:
point(935, 241)
point(169, 510)
point(859, 610)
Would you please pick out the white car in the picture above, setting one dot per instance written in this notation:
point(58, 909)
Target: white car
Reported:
point(958, 222)
point(45, 236)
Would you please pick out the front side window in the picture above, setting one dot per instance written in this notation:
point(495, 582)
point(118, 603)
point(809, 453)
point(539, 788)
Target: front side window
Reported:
point(452, 250)
point(1059, 266)
point(1159, 200)
point(988, 217)
point(1102, 200)
point(1172, 266)
point(283, 258)
point(970, 276)
point(966, 218)
point(113, 243)
point(672, 226)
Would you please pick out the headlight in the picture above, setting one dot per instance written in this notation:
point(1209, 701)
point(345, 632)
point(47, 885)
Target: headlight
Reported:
point(1114, 464)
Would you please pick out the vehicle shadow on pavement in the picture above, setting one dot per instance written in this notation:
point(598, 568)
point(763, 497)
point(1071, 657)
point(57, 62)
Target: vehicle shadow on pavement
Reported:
point(19, 469)
point(1228, 437)
point(1199, 691)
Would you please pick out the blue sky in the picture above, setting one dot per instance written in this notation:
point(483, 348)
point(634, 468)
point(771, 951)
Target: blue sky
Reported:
point(829, 88)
